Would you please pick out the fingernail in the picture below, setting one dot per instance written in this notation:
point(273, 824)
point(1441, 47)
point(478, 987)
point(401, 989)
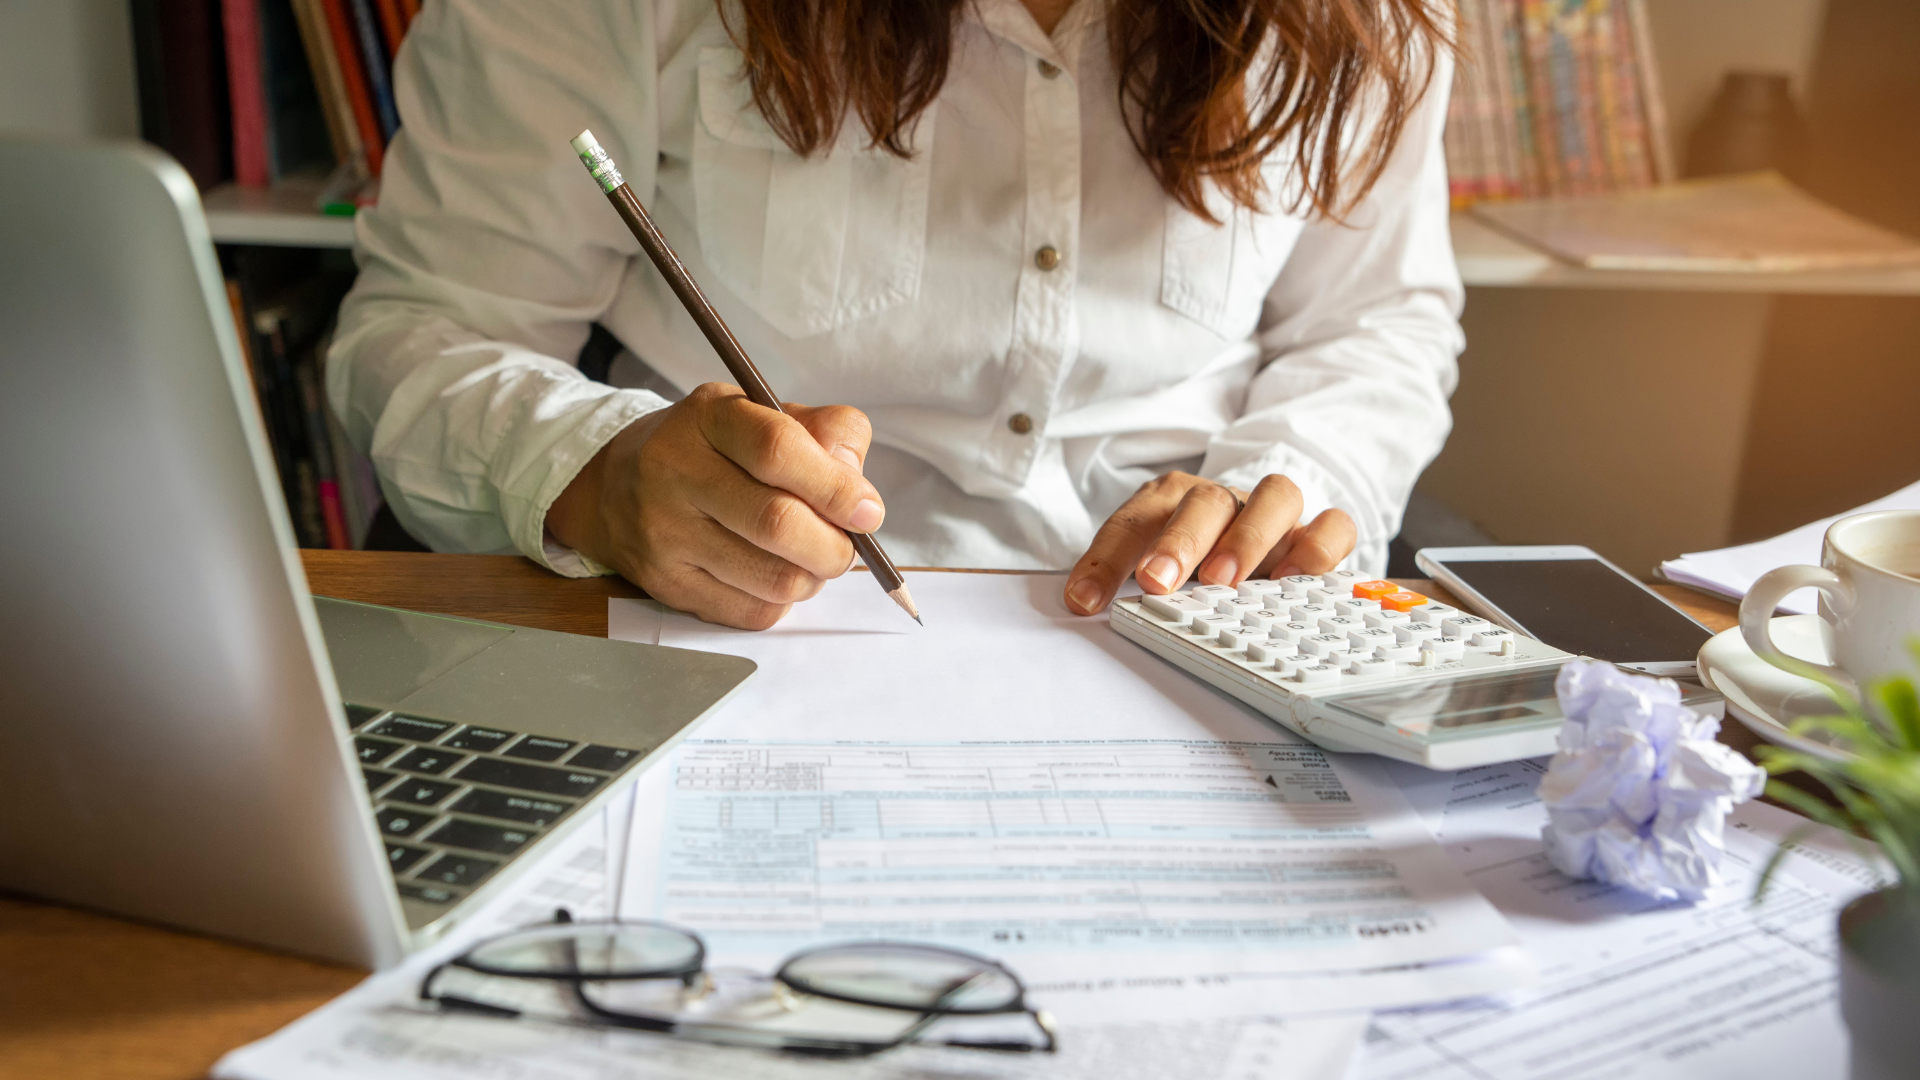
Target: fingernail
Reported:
point(847, 455)
point(1161, 570)
point(1084, 594)
point(1220, 570)
point(866, 517)
point(1288, 570)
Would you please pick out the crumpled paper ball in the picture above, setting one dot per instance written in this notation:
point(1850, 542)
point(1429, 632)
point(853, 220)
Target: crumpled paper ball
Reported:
point(1639, 792)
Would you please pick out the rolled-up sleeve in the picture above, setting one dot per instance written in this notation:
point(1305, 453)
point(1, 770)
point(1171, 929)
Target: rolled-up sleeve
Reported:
point(489, 256)
point(1360, 344)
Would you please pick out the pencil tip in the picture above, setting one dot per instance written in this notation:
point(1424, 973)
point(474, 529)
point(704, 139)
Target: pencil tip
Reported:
point(905, 599)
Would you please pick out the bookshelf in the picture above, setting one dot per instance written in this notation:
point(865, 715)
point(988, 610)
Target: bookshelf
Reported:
point(284, 215)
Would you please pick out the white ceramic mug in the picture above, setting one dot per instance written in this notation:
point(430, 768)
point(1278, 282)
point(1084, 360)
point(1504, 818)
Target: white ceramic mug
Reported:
point(1869, 582)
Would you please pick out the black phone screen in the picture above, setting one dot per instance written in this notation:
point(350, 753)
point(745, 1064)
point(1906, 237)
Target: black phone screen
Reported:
point(1583, 606)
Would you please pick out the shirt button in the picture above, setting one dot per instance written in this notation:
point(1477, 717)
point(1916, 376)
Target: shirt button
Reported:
point(1047, 257)
point(1049, 70)
point(1020, 423)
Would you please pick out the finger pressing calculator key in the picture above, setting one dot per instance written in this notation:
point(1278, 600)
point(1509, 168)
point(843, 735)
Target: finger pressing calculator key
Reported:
point(1427, 684)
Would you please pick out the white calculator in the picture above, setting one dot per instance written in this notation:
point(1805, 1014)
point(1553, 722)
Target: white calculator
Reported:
point(1361, 665)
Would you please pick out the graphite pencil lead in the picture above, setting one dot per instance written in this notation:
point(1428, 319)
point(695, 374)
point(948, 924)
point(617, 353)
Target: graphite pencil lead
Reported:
point(905, 599)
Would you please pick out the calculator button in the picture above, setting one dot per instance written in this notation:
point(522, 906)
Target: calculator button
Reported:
point(1311, 614)
point(1463, 626)
point(1372, 667)
point(1211, 623)
point(1317, 675)
point(1270, 649)
point(1364, 642)
point(1344, 580)
point(1340, 624)
point(1262, 618)
point(1292, 631)
point(1374, 590)
point(1298, 584)
point(1213, 594)
point(1260, 588)
point(1238, 637)
point(1325, 596)
point(1236, 606)
point(1399, 653)
point(1288, 665)
point(1433, 612)
point(1387, 620)
point(1415, 633)
point(1490, 638)
point(1325, 645)
point(1353, 607)
point(1445, 649)
point(1402, 601)
point(1173, 607)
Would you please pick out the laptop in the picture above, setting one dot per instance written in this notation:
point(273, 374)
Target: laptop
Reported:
point(186, 735)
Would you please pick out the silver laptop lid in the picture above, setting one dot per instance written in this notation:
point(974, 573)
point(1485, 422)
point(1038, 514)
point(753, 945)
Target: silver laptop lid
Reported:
point(171, 745)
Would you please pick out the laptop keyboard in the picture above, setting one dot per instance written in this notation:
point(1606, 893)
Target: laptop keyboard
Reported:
point(456, 801)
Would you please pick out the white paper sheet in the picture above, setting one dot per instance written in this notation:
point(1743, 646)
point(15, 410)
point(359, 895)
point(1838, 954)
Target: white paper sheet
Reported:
point(1631, 987)
point(378, 1031)
point(1732, 571)
point(1004, 684)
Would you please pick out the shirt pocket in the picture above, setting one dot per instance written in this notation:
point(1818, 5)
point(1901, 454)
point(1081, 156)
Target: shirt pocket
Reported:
point(810, 243)
point(1219, 275)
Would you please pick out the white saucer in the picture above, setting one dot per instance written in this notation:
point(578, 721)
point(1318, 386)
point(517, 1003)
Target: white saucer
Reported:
point(1766, 698)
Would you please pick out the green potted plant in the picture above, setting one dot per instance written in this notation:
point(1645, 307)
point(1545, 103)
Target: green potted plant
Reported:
point(1876, 793)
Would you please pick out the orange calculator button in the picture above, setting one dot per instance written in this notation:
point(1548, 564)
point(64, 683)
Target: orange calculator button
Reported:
point(1401, 601)
point(1374, 590)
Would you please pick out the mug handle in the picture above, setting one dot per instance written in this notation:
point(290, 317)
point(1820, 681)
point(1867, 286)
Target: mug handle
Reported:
point(1756, 610)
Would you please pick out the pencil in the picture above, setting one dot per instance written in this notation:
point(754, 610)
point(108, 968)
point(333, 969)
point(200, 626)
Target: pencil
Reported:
point(718, 335)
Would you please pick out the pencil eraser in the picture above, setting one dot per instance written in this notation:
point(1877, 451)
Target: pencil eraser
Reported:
point(597, 162)
point(585, 144)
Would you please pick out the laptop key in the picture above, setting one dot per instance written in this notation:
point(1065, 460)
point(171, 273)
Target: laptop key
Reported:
point(359, 716)
point(422, 792)
point(479, 836)
point(539, 748)
point(605, 758)
point(377, 778)
point(499, 804)
point(401, 857)
point(399, 821)
point(411, 727)
point(539, 778)
point(451, 869)
point(432, 894)
point(427, 759)
point(374, 751)
point(483, 740)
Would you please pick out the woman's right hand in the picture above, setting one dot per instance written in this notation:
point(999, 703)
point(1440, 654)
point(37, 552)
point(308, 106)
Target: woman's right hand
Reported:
point(724, 508)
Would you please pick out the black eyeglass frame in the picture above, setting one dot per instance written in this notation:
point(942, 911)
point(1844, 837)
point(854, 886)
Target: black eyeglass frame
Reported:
point(690, 972)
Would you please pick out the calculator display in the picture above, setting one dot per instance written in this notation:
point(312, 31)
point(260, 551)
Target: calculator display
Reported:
point(1456, 708)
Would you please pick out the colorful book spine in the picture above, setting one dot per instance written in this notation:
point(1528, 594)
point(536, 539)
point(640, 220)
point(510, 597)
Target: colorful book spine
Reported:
point(341, 129)
point(1653, 101)
point(1636, 160)
point(373, 60)
point(393, 26)
point(246, 93)
point(346, 48)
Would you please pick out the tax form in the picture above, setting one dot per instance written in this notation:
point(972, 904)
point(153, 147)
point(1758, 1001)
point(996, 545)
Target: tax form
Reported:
point(379, 1031)
point(1631, 987)
point(1017, 781)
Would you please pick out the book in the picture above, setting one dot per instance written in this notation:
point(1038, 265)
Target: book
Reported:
point(297, 137)
point(374, 65)
point(1757, 222)
point(181, 71)
point(393, 26)
point(247, 93)
point(346, 49)
point(329, 83)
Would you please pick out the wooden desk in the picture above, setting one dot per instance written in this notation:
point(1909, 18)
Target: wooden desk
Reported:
point(91, 997)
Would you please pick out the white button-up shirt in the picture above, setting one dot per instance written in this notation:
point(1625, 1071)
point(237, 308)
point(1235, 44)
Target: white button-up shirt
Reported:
point(912, 289)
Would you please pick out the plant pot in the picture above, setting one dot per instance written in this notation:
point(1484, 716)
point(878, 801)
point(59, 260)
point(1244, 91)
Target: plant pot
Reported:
point(1880, 983)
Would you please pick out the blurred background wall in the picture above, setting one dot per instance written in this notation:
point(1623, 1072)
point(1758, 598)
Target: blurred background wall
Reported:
point(66, 68)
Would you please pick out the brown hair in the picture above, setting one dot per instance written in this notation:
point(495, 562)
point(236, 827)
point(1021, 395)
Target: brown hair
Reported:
point(1210, 88)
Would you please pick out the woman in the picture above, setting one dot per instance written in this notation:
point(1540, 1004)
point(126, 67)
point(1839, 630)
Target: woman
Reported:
point(1149, 287)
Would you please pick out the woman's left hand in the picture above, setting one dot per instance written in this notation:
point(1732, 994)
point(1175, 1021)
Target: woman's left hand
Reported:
point(1179, 522)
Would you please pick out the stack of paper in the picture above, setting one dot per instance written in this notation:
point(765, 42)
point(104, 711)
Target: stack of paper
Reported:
point(1730, 572)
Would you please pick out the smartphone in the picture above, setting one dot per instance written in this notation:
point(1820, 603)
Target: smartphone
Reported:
point(1572, 599)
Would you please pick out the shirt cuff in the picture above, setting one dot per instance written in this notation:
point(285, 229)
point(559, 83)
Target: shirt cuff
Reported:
point(568, 455)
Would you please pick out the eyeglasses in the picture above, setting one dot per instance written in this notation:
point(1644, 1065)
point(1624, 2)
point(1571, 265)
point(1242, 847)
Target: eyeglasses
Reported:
point(839, 1000)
